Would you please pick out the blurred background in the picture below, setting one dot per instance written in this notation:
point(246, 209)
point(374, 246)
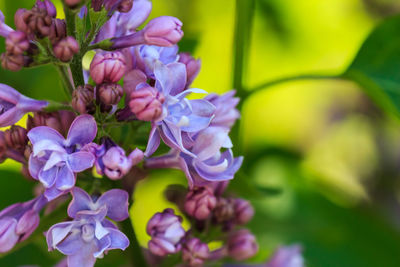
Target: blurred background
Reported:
point(322, 161)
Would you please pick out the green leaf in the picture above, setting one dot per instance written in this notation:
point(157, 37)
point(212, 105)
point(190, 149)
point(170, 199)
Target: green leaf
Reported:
point(97, 19)
point(377, 65)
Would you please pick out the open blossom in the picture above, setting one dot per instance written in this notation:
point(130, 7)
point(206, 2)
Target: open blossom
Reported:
point(192, 67)
point(165, 229)
point(90, 234)
point(226, 113)
point(18, 221)
point(55, 160)
point(14, 105)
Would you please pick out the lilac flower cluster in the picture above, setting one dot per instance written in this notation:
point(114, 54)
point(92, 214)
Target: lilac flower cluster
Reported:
point(137, 88)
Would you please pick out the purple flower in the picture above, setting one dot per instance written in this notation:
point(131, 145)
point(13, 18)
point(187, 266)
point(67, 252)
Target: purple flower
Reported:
point(181, 117)
point(5, 30)
point(287, 256)
point(14, 105)
point(166, 233)
point(226, 113)
point(55, 160)
point(112, 161)
point(90, 234)
point(192, 67)
point(18, 221)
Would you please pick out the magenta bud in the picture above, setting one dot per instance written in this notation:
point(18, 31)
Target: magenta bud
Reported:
point(110, 93)
point(107, 67)
point(192, 67)
point(17, 43)
point(35, 21)
point(200, 202)
point(65, 49)
point(58, 30)
point(224, 211)
point(48, 6)
point(163, 31)
point(244, 211)
point(166, 233)
point(12, 62)
point(115, 164)
point(242, 245)
point(147, 103)
point(194, 252)
point(82, 99)
point(16, 137)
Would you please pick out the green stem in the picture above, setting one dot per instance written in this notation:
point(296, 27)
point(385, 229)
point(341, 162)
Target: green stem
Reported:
point(67, 84)
point(134, 250)
point(289, 79)
point(54, 106)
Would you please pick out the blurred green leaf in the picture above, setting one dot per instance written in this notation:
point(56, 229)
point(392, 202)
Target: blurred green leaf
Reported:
point(377, 65)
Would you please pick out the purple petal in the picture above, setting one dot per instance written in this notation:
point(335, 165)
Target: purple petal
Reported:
point(118, 239)
point(65, 179)
point(48, 177)
point(52, 193)
point(58, 233)
point(35, 165)
point(27, 223)
point(100, 230)
point(9, 94)
point(45, 133)
point(10, 117)
point(55, 158)
point(8, 237)
point(80, 201)
point(116, 201)
point(136, 16)
point(201, 107)
point(171, 78)
point(209, 142)
point(71, 244)
point(84, 257)
point(102, 245)
point(153, 143)
point(82, 131)
point(80, 161)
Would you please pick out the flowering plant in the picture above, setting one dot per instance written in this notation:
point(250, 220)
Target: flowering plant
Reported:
point(137, 78)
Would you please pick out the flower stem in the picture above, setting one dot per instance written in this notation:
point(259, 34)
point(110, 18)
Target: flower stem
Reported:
point(134, 250)
point(66, 81)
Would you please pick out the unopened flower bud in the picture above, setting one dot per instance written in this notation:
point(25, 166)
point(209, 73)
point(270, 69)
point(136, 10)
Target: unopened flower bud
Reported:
point(59, 120)
point(224, 211)
point(242, 245)
point(163, 31)
point(3, 147)
point(166, 233)
point(110, 93)
point(192, 67)
point(200, 202)
point(48, 6)
point(244, 211)
point(147, 103)
point(72, 3)
point(82, 99)
point(17, 43)
point(58, 30)
point(194, 252)
point(107, 67)
point(125, 6)
point(27, 152)
point(35, 21)
point(16, 137)
point(12, 62)
point(65, 49)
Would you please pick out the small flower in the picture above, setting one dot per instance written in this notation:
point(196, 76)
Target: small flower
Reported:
point(19, 221)
point(55, 160)
point(17, 43)
point(242, 245)
point(14, 105)
point(166, 233)
point(90, 234)
point(200, 202)
point(226, 113)
point(194, 252)
point(112, 161)
point(65, 49)
point(244, 211)
point(287, 256)
point(110, 93)
point(147, 103)
point(163, 31)
point(5, 30)
point(192, 67)
point(107, 67)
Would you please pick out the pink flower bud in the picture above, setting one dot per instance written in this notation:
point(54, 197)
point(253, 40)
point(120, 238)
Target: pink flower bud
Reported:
point(36, 21)
point(58, 30)
point(224, 211)
point(72, 3)
point(12, 62)
point(242, 245)
point(19, 19)
point(147, 103)
point(194, 252)
point(3, 147)
point(244, 211)
point(65, 49)
point(107, 67)
point(200, 202)
point(163, 31)
point(16, 137)
point(48, 6)
point(166, 233)
point(110, 93)
point(82, 99)
point(17, 43)
point(116, 164)
point(192, 67)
